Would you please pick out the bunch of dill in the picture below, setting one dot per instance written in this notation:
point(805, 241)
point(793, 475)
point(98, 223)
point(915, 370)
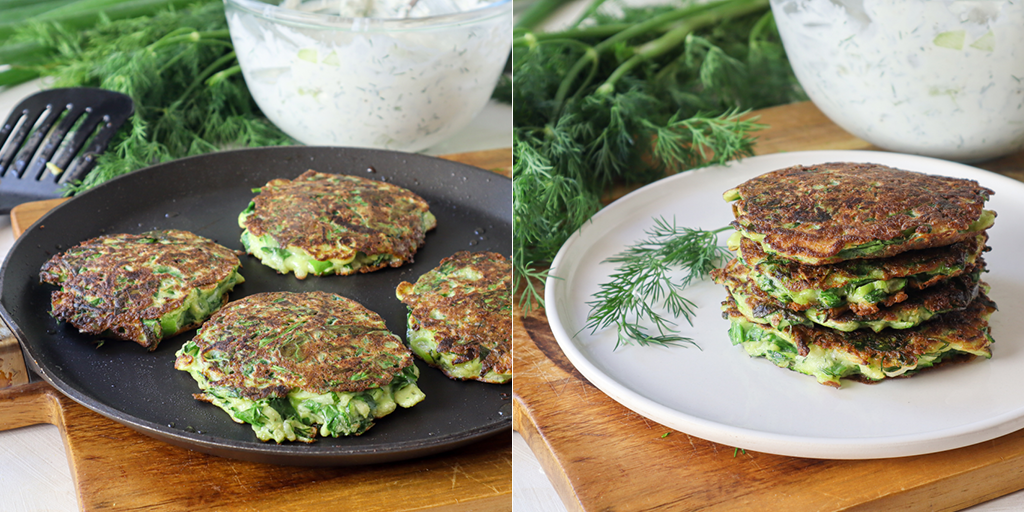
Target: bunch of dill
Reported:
point(625, 98)
point(180, 69)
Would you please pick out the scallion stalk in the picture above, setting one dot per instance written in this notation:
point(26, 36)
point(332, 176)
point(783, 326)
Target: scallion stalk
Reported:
point(537, 13)
point(86, 13)
point(25, 12)
point(673, 38)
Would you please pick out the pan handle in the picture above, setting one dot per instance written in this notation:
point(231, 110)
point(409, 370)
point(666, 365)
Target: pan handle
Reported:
point(31, 404)
point(21, 403)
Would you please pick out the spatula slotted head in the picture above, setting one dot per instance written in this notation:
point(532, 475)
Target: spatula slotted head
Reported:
point(54, 137)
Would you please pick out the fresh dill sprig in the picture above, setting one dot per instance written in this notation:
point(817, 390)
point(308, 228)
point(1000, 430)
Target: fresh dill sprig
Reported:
point(180, 69)
point(625, 96)
point(529, 296)
point(643, 282)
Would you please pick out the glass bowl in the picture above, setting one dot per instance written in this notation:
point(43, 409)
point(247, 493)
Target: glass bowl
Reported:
point(936, 78)
point(399, 84)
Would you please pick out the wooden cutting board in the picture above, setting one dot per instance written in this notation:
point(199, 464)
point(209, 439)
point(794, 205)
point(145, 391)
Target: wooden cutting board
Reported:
point(601, 456)
point(115, 467)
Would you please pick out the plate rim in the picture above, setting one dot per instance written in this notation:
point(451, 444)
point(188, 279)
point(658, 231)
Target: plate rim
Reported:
point(877, 447)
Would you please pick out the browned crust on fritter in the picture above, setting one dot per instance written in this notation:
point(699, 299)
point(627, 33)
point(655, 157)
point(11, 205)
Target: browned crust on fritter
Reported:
point(468, 326)
point(968, 326)
point(334, 216)
point(951, 295)
point(898, 346)
point(833, 206)
point(798, 277)
point(325, 343)
point(473, 319)
point(124, 278)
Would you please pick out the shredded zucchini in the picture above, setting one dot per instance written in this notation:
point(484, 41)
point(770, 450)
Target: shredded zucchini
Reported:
point(300, 415)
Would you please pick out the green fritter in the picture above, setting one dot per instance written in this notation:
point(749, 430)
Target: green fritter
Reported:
point(292, 364)
point(830, 355)
point(835, 212)
point(862, 285)
point(141, 288)
point(460, 316)
point(953, 294)
point(323, 224)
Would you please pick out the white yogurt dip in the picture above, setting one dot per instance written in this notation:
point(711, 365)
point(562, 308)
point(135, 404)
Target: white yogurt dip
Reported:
point(362, 82)
point(938, 78)
point(384, 9)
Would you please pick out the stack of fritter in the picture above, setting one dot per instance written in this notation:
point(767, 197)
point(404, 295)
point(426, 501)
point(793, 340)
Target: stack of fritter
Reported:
point(858, 270)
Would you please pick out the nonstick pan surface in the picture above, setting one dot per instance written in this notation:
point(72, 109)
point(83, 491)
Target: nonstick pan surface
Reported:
point(205, 194)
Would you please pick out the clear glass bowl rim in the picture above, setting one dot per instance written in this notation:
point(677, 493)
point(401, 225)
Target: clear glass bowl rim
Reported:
point(296, 18)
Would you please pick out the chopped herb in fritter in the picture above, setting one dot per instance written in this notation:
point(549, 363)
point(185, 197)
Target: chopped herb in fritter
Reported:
point(141, 288)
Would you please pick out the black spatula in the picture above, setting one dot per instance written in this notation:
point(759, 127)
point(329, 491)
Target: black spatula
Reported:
point(53, 137)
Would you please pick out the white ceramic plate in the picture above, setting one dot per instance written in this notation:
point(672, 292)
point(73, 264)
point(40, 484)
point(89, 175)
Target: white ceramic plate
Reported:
point(718, 393)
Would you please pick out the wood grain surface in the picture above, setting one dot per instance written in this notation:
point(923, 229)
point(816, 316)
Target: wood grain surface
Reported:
point(601, 456)
point(12, 364)
point(115, 467)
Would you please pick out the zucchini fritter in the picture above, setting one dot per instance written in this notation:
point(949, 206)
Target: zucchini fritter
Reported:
point(460, 316)
point(862, 285)
point(834, 212)
point(830, 355)
point(287, 362)
point(324, 224)
point(757, 306)
point(141, 288)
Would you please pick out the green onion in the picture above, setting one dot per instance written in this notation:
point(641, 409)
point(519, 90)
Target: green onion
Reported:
point(538, 12)
point(26, 11)
point(83, 14)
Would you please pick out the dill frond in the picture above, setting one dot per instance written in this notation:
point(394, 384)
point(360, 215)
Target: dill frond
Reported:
point(625, 96)
point(642, 285)
point(179, 68)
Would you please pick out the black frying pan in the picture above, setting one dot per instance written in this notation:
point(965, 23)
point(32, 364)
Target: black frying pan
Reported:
point(205, 194)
